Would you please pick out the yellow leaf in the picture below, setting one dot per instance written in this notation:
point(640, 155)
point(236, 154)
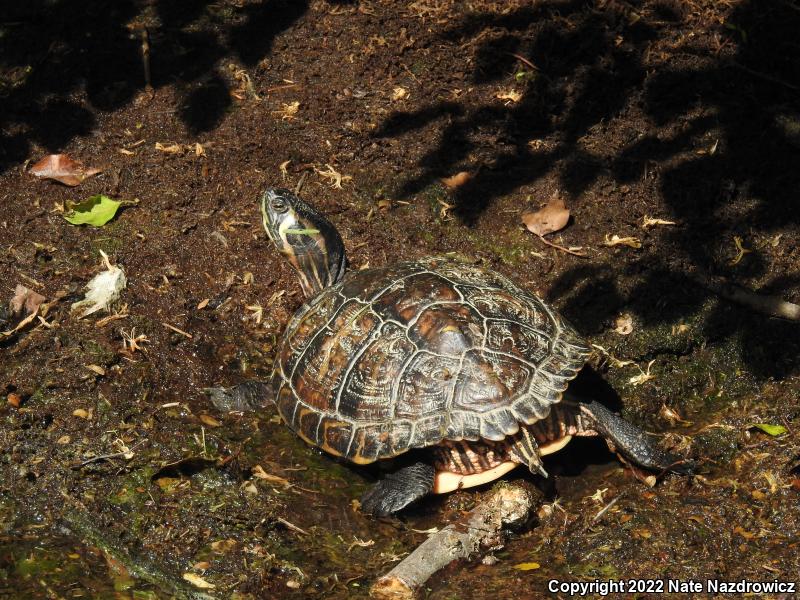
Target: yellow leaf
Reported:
point(527, 566)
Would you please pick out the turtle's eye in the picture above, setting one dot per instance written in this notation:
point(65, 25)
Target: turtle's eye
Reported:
point(279, 205)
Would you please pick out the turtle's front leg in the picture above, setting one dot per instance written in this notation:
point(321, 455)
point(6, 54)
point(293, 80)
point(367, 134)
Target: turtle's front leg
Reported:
point(399, 489)
point(631, 441)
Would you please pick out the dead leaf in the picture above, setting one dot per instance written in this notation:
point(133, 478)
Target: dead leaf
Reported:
point(457, 180)
point(512, 96)
point(96, 369)
point(741, 250)
point(210, 421)
point(399, 93)
point(333, 176)
point(203, 304)
point(223, 546)
point(644, 376)
point(81, 413)
point(14, 400)
point(103, 289)
point(288, 110)
point(169, 148)
point(615, 240)
point(671, 416)
point(624, 324)
point(61, 168)
point(25, 298)
point(198, 581)
point(651, 222)
point(553, 217)
point(260, 473)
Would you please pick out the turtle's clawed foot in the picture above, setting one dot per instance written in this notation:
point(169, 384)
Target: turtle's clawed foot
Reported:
point(399, 489)
point(633, 443)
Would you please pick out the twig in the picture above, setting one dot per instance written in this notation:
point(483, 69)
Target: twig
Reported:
point(481, 528)
point(280, 87)
point(95, 459)
point(604, 510)
point(525, 60)
point(291, 526)
point(300, 183)
point(557, 247)
point(768, 305)
point(176, 330)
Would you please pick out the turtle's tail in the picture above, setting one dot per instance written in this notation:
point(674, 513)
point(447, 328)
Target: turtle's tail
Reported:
point(248, 396)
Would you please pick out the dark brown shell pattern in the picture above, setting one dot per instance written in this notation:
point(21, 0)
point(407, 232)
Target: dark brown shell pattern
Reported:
point(409, 355)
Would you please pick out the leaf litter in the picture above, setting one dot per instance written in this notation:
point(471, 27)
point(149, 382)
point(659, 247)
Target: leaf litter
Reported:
point(553, 217)
point(103, 289)
point(95, 211)
point(62, 168)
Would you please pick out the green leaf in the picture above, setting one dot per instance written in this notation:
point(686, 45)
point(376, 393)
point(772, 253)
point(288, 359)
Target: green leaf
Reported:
point(303, 231)
point(527, 566)
point(96, 211)
point(772, 430)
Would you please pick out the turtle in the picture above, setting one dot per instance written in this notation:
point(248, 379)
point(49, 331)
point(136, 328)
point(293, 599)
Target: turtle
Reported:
point(433, 353)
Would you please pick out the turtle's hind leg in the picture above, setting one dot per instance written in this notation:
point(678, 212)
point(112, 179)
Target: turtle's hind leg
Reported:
point(399, 489)
point(630, 441)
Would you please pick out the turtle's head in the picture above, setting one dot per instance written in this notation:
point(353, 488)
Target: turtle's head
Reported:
point(306, 238)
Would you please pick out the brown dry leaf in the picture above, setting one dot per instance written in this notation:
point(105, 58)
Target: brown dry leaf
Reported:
point(64, 440)
point(740, 250)
point(14, 400)
point(624, 324)
point(210, 421)
point(553, 217)
point(203, 304)
point(61, 168)
point(288, 110)
point(203, 565)
point(81, 413)
point(399, 93)
point(742, 532)
point(651, 222)
point(96, 369)
point(169, 148)
point(671, 416)
point(223, 546)
point(260, 473)
point(25, 298)
point(512, 96)
point(615, 240)
point(198, 581)
point(644, 376)
point(457, 180)
point(333, 176)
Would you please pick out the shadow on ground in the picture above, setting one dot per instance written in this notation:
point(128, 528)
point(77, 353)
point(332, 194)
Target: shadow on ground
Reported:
point(56, 51)
point(718, 132)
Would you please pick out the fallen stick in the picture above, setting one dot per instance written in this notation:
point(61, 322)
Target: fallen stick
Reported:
point(768, 305)
point(481, 528)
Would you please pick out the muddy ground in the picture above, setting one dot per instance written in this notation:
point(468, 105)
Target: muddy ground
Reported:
point(681, 111)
